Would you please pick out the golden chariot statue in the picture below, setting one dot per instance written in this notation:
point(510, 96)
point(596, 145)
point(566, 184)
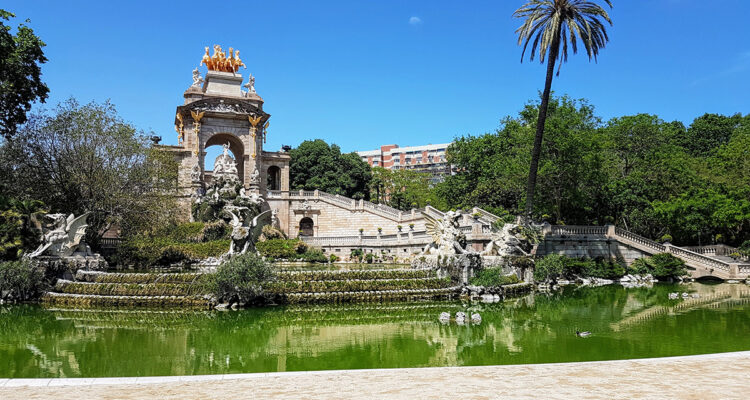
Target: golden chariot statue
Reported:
point(220, 62)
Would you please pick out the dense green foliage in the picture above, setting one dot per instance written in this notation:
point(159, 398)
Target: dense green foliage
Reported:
point(175, 244)
point(21, 280)
point(555, 266)
point(244, 279)
point(661, 266)
point(493, 277)
point(638, 172)
point(316, 165)
point(21, 57)
point(290, 249)
point(19, 221)
point(85, 158)
point(402, 189)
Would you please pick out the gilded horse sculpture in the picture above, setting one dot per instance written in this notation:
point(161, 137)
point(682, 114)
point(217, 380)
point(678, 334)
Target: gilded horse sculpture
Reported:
point(220, 62)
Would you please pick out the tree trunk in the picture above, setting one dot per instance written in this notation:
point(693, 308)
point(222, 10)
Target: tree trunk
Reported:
point(537, 150)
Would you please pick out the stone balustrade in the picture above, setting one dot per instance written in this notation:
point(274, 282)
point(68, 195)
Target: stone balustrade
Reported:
point(706, 261)
point(638, 240)
point(567, 230)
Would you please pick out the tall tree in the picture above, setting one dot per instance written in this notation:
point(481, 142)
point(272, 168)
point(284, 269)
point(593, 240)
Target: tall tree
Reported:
point(85, 158)
point(20, 74)
point(549, 25)
point(316, 165)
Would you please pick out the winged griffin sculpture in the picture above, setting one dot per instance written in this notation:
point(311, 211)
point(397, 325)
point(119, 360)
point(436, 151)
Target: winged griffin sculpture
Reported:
point(64, 237)
point(513, 239)
point(244, 234)
point(447, 238)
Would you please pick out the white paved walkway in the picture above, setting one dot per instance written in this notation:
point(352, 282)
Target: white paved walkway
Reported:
point(712, 376)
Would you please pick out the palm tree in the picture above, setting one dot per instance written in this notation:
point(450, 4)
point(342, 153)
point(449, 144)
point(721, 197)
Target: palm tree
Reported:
point(550, 24)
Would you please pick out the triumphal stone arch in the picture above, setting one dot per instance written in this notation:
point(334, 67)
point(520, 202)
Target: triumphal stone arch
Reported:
point(220, 110)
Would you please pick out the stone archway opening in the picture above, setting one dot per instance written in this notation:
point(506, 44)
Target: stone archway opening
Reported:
point(274, 178)
point(306, 227)
point(213, 149)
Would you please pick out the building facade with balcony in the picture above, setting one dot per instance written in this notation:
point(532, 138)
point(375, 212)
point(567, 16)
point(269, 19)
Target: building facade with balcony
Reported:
point(428, 158)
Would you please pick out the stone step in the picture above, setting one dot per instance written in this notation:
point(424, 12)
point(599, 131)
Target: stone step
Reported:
point(368, 296)
point(87, 300)
point(138, 277)
point(130, 289)
point(360, 285)
point(370, 274)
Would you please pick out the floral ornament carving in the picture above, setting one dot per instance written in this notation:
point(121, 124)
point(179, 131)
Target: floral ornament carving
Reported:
point(180, 128)
point(197, 128)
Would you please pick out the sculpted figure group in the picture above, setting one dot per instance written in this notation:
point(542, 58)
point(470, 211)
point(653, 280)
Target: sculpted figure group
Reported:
point(220, 62)
point(447, 238)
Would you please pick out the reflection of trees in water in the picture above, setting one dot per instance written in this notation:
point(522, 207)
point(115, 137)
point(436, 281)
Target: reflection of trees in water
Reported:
point(721, 296)
point(535, 328)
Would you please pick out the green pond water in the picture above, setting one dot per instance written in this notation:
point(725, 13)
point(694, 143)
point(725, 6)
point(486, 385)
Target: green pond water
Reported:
point(539, 328)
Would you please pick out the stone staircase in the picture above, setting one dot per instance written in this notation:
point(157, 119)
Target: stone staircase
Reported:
point(699, 265)
point(190, 290)
point(101, 289)
point(362, 286)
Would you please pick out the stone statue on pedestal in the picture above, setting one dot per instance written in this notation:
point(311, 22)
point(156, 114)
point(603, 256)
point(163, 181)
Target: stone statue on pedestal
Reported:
point(197, 78)
point(63, 238)
point(250, 85)
point(255, 177)
point(195, 174)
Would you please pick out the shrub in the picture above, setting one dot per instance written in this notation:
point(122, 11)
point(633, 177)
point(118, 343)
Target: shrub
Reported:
point(357, 254)
point(744, 248)
point(492, 277)
point(369, 258)
point(269, 232)
point(21, 280)
point(244, 279)
point(289, 249)
point(216, 230)
point(663, 265)
point(187, 232)
point(549, 267)
point(146, 252)
point(333, 258)
point(606, 269)
point(666, 238)
point(314, 256)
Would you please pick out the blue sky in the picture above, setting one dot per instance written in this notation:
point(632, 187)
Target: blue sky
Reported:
point(366, 73)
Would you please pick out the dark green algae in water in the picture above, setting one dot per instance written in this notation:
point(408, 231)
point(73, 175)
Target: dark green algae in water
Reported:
point(540, 328)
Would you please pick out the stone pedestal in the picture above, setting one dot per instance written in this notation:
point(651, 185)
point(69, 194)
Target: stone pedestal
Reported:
point(66, 267)
point(459, 267)
point(223, 84)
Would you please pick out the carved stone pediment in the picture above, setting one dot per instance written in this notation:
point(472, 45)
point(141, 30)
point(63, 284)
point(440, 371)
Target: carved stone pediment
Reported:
point(233, 107)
